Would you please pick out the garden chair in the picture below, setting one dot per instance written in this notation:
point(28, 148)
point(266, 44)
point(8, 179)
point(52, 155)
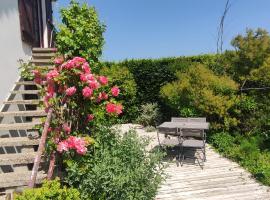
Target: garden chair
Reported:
point(196, 119)
point(192, 138)
point(179, 119)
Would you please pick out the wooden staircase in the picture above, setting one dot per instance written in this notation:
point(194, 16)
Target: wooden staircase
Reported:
point(19, 137)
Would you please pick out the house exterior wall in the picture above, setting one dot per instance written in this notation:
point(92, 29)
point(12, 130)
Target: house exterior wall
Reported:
point(11, 47)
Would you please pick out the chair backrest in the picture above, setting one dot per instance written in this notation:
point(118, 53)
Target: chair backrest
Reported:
point(196, 119)
point(168, 131)
point(192, 133)
point(179, 119)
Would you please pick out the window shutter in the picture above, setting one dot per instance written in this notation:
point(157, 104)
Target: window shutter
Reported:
point(28, 12)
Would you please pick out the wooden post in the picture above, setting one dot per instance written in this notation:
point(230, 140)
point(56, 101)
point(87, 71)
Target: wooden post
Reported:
point(40, 151)
point(52, 165)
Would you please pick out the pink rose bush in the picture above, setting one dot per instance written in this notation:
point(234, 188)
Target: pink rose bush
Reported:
point(76, 94)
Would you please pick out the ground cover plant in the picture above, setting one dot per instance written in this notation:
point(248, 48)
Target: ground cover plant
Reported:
point(49, 190)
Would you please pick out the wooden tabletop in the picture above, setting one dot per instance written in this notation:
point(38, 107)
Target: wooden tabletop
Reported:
point(182, 125)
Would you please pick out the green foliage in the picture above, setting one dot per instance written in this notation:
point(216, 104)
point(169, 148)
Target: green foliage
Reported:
point(81, 32)
point(119, 169)
point(149, 114)
point(250, 152)
point(151, 74)
point(50, 190)
point(251, 51)
point(26, 70)
point(199, 92)
point(122, 77)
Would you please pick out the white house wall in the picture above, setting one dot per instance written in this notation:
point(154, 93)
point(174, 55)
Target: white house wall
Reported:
point(11, 46)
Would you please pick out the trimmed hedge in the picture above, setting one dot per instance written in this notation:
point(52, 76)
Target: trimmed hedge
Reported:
point(151, 74)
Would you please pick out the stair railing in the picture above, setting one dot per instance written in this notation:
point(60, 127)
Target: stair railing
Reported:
point(41, 149)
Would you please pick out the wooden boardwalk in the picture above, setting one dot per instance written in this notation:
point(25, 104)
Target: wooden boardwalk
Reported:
point(220, 179)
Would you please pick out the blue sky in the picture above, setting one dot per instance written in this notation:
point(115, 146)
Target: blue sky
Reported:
point(163, 28)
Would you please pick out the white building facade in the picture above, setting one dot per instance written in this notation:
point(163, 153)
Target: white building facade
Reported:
point(24, 24)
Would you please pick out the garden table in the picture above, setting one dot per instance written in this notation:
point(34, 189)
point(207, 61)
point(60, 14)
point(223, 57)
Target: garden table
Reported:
point(184, 125)
point(173, 128)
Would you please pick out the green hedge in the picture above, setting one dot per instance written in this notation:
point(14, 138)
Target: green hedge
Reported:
point(151, 74)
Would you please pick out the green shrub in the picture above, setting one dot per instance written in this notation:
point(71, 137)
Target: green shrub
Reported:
point(121, 77)
point(119, 169)
point(199, 92)
point(224, 143)
point(149, 114)
point(50, 190)
point(249, 151)
point(151, 74)
point(81, 32)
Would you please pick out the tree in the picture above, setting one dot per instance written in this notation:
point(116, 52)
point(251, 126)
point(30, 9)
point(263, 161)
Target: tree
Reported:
point(81, 32)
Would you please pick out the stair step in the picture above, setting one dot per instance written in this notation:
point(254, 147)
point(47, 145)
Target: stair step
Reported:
point(39, 50)
point(42, 61)
point(43, 55)
point(22, 102)
point(45, 67)
point(19, 178)
point(19, 126)
point(25, 83)
point(17, 158)
point(25, 92)
point(30, 113)
point(18, 141)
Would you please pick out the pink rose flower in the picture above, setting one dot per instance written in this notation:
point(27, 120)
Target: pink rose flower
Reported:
point(118, 109)
point(58, 60)
point(103, 95)
point(66, 128)
point(78, 60)
point(70, 91)
point(86, 68)
point(90, 117)
point(52, 74)
point(62, 146)
point(83, 78)
point(87, 92)
point(115, 91)
point(103, 80)
point(114, 108)
point(110, 108)
point(94, 84)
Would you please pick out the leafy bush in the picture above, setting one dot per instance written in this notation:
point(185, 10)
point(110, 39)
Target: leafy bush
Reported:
point(81, 32)
point(249, 151)
point(122, 77)
point(149, 114)
point(50, 190)
point(151, 74)
point(120, 168)
point(224, 142)
point(199, 92)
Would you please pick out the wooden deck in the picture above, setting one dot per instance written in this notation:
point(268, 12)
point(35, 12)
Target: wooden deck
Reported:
point(220, 179)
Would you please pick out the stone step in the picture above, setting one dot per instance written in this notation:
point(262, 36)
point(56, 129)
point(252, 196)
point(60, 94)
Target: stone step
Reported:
point(17, 158)
point(19, 126)
point(41, 61)
point(43, 55)
point(25, 92)
point(31, 113)
point(25, 83)
point(35, 102)
point(18, 141)
point(16, 179)
point(43, 50)
point(45, 67)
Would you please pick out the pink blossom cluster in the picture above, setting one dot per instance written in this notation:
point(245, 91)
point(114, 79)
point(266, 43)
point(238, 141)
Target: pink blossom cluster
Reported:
point(72, 142)
point(114, 108)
